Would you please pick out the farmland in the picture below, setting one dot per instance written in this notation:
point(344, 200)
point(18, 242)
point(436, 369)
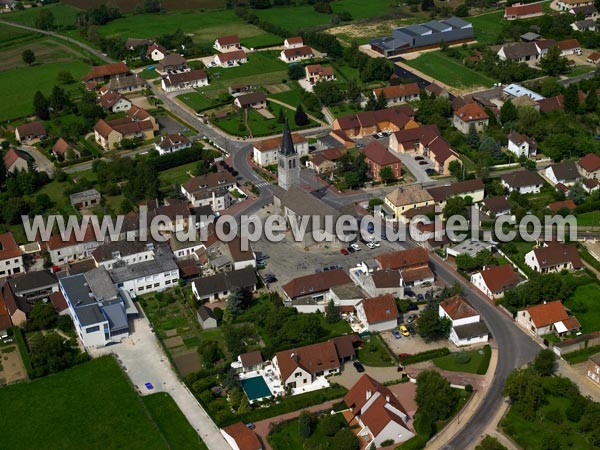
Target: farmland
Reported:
point(64, 15)
point(487, 27)
point(78, 407)
point(127, 6)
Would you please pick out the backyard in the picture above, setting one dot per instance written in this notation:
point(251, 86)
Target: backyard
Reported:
point(77, 407)
point(487, 26)
point(373, 352)
point(286, 436)
point(585, 305)
point(473, 361)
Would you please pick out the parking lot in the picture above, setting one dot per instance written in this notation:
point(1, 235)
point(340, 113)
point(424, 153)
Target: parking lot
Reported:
point(168, 125)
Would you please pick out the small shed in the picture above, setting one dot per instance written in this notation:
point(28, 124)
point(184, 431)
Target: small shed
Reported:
point(207, 318)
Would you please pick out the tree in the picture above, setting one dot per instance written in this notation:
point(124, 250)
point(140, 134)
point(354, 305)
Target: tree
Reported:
point(281, 116)
point(330, 425)
point(508, 112)
point(345, 439)
point(461, 10)
point(456, 169)
point(59, 99)
point(332, 313)
point(44, 20)
point(591, 101)
point(210, 353)
point(328, 92)
point(550, 87)
point(382, 101)
point(490, 443)
point(577, 193)
point(238, 300)
point(572, 98)
point(427, 5)
point(65, 77)
point(375, 202)
point(491, 146)
point(435, 395)
point(386, 173)
point(42, 316)
point(455, 206)
point(151, 6)
point(305, 424)
point(371, 104)
point(295, 72)
point(553, 63)
point(472, 137)
point(543, 363)
point(431, 327)
point(28, 56)
point(300, 117)
point(40, 106)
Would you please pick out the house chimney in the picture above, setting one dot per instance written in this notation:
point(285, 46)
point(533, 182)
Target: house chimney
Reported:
point(369, 393)
point(387, 398)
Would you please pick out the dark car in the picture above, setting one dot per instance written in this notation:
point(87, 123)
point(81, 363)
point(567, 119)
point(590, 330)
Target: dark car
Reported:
point(413, 307)
point(325, 269)
point(430, 171)
point(411, 318)
point(358, 366)
point(250, 426)
point(411, 330)
point(419, 158)
point(423, 163)
point(344, 251)
point(350, 249)
point(420, 297)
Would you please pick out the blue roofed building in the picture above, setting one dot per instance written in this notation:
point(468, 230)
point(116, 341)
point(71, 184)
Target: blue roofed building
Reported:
point(452, 30)
point(100, 312)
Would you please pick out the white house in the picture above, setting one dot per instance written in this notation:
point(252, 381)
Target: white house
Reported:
point(172, 143)
point(212, 190)
point(114, 102)
point(156, 52)
point(184, 80)
point(546, 318)
point(228, 43)
point(217, 287)
point(66, 250)
point(564, 172)
point(11, 260)
point(493, 281)
point(378, 313)
point(467, 327)
point(293, 42)
point(114, 253)
point(230, 59)
point(554, 257)
point(265, 152)
point(522, 181)
point(521, 145)
point(240, 437)
point(295, 54)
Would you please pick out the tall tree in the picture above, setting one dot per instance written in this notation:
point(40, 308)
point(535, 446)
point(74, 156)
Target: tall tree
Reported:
point(386, 174)
point(508, 112)
point(40, 106)
point(295, 72)
point(572, 98)
point(591, 100)
point(28, 56)
point(45, 19)
point(473, 137)
point(553, 63)
point(300, 117)
point(434, 395)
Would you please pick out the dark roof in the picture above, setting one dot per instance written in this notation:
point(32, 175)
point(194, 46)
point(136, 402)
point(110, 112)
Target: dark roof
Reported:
point(287, 146)
point(174, 79)
point(316, 282)
point(206, 313)
point(119, 249)
point(499, 278)
point(379, 154)
point(520, 50)
point(32, 129)
point(173, 59)
point(522, 178)
point(386, 278)
point(226, 281)
point(344, 345)
point(250, 99)
point(251, 359)
point(565, 171)
point(518, 139)
point(497, 204)
point(471, 330)
point(556, 253)
point(33, 281)
point(442, 193)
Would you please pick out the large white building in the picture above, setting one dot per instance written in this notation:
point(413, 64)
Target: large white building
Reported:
point(265, 152)
point(115, 253)
point(213, 189)
point(467, 327)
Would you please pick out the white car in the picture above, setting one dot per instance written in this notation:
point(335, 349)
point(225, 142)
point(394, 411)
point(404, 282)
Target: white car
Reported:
point(371, 245)
point(356, 247)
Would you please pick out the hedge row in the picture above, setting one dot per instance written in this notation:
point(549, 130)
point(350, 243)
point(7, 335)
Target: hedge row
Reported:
point(425, 356)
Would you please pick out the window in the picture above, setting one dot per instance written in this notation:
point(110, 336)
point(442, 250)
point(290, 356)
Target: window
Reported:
point(92, 329)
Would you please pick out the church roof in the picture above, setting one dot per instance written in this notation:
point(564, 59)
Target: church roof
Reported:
point(287, 144)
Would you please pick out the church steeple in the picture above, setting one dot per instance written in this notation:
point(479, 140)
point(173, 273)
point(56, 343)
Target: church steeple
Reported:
point(287, 143)
point(288, 162)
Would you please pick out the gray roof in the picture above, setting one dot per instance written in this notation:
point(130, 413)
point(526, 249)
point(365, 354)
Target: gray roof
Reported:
point(585, 24)
point(287, 145)
point(520, 50)
point(303, 203)
point(126, 82)
point(595, 358)
point(457, 22)
point(471, 330)
point(565, 171)
point(206, 313)
point(162, 262)
point(115, 313)
point(348, 291)
point(100, 284)
point(89, 193)
point(33, 281)
point(118, 249)
point(226, 281)
point(530, 36)
point(522, 178)
point(81, 299)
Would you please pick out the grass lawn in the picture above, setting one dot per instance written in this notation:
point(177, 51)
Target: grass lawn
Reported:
point(77, 408)
point(530, 434)
point(172, 423)
point(517, 251)
point(588, 219)
point(292, 97)
point(64, 15)
point(580, 356)
point(17, 101)
point(478, 362)
point(580, 70)
point(259, 64)
point(374, 353)
point(176, 174)
point(287, 436)
point(196, 101)
point(344, 109)
point(487, 26)
point(449, 71)
point(262, 40)
point(293, 18)
point(205, 27)
point(588, 296)
point(260, 126)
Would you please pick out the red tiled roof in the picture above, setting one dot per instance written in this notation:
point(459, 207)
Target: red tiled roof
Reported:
point(397, 91)
point(312, 358)
point(498, 278)
point(317, 282)
point(403, 259)
point(380, 309)
point(594, 57)
point(294, 40)
point(305, 50)
point(61, 146)
point(568, 44)
point(524, 10)
point(547, 313)
point(457, 308)
point(8, 246)
point(58, 301)
point(379, 154)
point(245, 438)
point(232, 39)
point(418, 273)
point(56, 241)
point(107, 70)
point(32, 129)
point(156, 46)
point(275, 142)
point(11, 156)
point(231, 56)
point(590, 162)
point(357, 396)
point(251, 358)
point(471, 112)
point(557, 206)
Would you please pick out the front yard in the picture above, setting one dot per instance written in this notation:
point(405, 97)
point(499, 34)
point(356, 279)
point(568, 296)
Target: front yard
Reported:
point(473, 361)
point(373, 352)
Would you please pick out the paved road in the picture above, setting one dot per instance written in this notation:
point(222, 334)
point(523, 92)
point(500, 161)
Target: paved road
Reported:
point(42, 163)
point(84, 46)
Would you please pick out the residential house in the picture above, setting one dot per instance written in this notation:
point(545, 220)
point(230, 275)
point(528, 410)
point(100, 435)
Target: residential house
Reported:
point(90, 198)
point(325, 161)
point(566, 5)
point(184, 80)
point(403, 259)
point(367, 123)
point(380, 415)
point(61, 148)
point(565, 172)
point(107, 72)
point(470, 114)
point(217, 287)
point(519, 12)
point(174, 214)
point(346, 296)
point(593, 58)
point(310, 293)
point(317, 72)
point(114, 102)
point(265, 152)
point(11, 260)
point(519, 52)
point(521, 145)
point(587, 25)
point(293, 42)
point(228, 43)
point(589, 166)
point(432, 34)
point(251, 361)
point(212, 189)
point(299, 367)
point(555, 207)
point(240, 437)
point(30, 132)
point(256, 100)
point(590, 185)
point(522, 181)
point(230, 59)
point(133, 43)
point(378, 313)
point(379, 282)
point(569, 47)
point(156, 52)
point(495, 206)
point(63, 251)
point(403, 199)
point(206, 318)
point(547, 317)
point(295, 54)
point(126, 84)
point(467, 326)
point(34, 285)
point(138, 124)
point(16, 307)
point(493, 281)
point(172, 143)
point(242, 88)
point(123, 252)
point(514, 91)
point(469, 188)
point(593, 368)
point(554, 257)
point(377, 156)
point(173, 62)
point(400, 93)
point(16, 161)
point(437, 90)
point(100, 312)
point(588, 12)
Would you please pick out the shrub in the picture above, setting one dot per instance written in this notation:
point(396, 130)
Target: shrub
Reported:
point(425, 356)
point(462, 358)
point(330, 425)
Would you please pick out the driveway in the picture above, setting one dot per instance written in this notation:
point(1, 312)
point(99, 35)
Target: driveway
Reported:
point(170, 125)
point(42, 163)
point(143, 359)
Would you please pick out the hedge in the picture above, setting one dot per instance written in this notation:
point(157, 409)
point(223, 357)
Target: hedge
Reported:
point(485, 362)
point(18, 335)
point(425, 356)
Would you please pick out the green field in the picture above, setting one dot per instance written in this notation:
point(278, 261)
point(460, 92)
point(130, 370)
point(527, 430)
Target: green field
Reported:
point(589, 219)
point(64, 15)
point(196, 101)
point(287, 437)
point(91, 406)
point(449, 71)
point(588, 296)
point(126, 6)
point(292, 97)
point(487, 27)
point(374, 353)
point(205, 27)
point(478, 362)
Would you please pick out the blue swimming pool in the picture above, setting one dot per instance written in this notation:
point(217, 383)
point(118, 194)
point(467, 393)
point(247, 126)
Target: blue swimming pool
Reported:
point(255, 388)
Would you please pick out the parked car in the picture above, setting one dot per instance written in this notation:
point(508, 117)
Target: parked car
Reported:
point(325, 269)
point(344, 251)
point(358, 366)
point(413, 307)
point(359, 145)
point(350, 250)
point(423, 163)
point(404, 355)
point(411, 318)
point(404, 330)
point(250, 426)
point(430, 171)
point(420, 297)
point(396, 334)
point(378, 135)
point(371, 245)
point(355, 246)
point(333, 267)
point(419, 158)
point(411, 330)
